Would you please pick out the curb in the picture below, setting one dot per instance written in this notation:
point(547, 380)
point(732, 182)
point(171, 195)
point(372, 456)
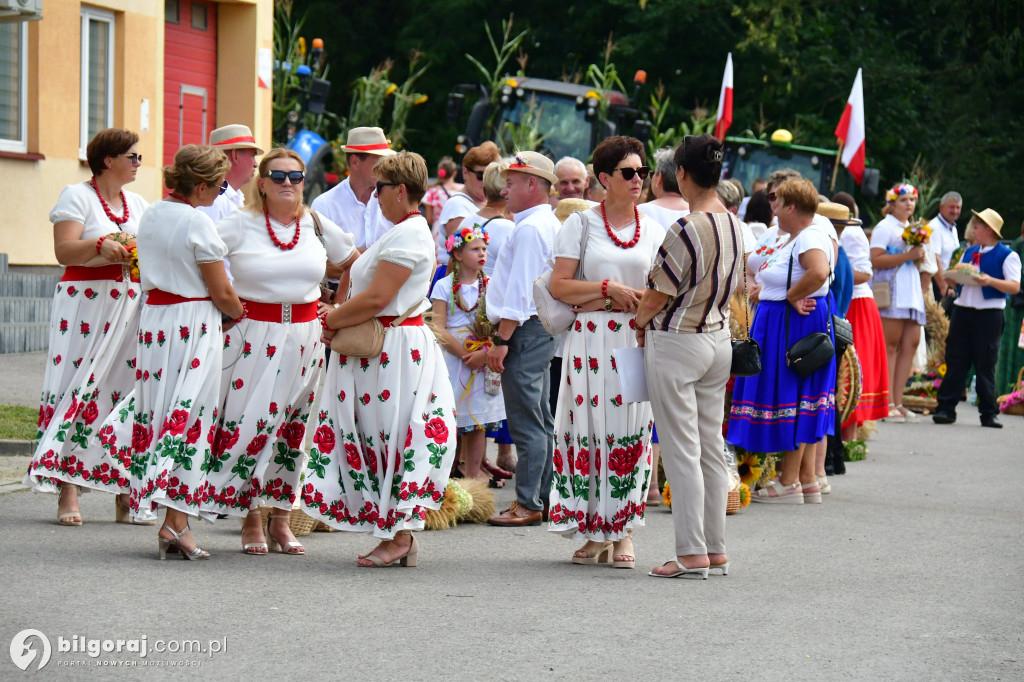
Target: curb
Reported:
point(16, 448)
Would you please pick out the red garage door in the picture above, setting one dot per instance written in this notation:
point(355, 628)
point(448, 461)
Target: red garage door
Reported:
point(190, 73)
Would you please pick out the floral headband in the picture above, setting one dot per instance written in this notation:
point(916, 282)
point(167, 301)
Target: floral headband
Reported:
point(899, 191)
point(465, 236)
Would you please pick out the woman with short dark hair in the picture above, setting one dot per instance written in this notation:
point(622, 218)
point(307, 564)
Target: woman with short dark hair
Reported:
point(93, 323)
point(683, 322)
point(777, 410)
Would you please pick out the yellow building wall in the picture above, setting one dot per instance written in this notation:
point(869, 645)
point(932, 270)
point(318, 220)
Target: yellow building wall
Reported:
point(31, 187)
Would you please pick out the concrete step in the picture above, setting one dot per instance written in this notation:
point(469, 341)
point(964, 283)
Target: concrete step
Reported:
point(26, 285)
point(25, 309)
point(24, 337)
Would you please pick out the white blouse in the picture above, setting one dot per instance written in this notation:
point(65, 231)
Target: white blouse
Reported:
point(80, 204)
point(766, 250)
point(855, 243)
point(773, 277)
point(524, 257)
point(603, 259)
point(264, 273)
point(458, 318)
point(409, 245)
point(661, 215)
point(173, 240)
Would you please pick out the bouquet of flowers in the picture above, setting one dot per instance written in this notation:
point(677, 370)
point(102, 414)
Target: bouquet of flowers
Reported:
point(916, 233)
point(128, 241)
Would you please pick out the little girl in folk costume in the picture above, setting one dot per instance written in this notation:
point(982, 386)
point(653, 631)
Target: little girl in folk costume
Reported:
point(460, 312)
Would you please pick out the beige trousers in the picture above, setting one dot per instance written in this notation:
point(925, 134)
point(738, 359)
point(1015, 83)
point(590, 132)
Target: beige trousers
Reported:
point(686, 377)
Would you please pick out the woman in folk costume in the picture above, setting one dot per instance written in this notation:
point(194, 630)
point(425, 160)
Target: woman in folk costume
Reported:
point(273, 358)
point(163, 423)
point(602, 455)
point(385, 443)
point(91, 357)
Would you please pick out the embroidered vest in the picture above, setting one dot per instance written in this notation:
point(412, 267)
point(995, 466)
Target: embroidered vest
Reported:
point(991, 263)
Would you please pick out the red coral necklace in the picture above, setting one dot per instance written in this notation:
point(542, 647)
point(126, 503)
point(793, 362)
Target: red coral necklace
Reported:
point(615, 240)
point(481, 292)
point(106, 207)
point(175, 195)
point(277, 242)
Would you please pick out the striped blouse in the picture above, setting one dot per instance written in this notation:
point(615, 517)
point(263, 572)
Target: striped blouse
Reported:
point(699, 267)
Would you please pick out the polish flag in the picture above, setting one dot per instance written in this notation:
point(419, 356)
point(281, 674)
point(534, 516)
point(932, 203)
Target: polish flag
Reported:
point(724, 119)
point(851, 131)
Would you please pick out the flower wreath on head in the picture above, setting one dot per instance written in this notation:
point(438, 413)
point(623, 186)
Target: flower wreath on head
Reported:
point(899, 191)
point(464, 236)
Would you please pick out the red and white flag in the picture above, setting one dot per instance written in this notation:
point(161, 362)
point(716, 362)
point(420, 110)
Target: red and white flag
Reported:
point(851, 131)
point(724, 119)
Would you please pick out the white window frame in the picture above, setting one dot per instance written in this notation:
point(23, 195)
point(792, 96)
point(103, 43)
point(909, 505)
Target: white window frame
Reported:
point(20, 145)
point(93, 14)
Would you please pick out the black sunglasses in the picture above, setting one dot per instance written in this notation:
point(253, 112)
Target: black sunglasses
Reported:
point(479, 174)
point(771, 196)
point(278, 176)
point(628, 173)
point(385, 184)
point(134, 158)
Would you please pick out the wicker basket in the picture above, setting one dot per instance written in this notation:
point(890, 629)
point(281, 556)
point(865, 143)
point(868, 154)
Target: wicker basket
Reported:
point(920, 403)
point(299, 521)
point(849, 383)
point(1016, 408)
point(732, 502)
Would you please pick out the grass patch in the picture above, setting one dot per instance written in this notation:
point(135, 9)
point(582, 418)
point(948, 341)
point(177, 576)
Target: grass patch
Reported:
point(18, 422)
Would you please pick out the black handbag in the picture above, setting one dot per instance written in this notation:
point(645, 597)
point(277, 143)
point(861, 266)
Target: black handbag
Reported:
point(746, 352)
point(843, 331)
point(813, 351)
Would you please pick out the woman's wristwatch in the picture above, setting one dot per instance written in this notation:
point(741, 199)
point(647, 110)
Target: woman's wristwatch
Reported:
point(608, 305)
point(498, 341)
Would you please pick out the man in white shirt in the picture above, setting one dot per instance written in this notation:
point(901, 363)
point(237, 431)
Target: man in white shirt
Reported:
point(352, 203)
point(239, 145)
point(572, 178)
point(522, 349)
point(945, 237)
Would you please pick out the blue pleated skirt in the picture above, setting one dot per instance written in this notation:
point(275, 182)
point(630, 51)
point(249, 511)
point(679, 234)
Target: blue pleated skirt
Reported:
point(777, 410)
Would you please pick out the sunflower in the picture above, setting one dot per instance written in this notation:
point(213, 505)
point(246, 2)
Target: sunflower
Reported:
point(744, 495)
point(749, 467)
point(666, 495)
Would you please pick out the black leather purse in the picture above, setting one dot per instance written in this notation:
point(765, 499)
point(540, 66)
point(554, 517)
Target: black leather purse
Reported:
point(813, 351)
point(746, 352)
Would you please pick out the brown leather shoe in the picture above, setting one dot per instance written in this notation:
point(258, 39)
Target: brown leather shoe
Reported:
point(516, 515)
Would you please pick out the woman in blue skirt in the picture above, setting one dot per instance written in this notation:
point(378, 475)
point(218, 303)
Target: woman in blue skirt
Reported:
point(778, 410)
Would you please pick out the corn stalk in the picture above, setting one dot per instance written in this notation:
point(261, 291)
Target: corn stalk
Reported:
point(509, 46)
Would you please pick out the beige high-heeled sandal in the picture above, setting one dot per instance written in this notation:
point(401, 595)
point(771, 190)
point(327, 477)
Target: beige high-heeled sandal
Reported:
point(166, 544)
point(256, 548)
point(407, 560)
point(71, 518)
point(626, 545)
point(275, 545)
point(603, 555)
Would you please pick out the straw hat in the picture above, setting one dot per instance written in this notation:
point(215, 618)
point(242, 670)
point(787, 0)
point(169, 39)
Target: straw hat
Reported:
point(368, 140)
point(533, 163)
point(837, 213)
point(234, 136)
point(992, 219)
point(566, 207)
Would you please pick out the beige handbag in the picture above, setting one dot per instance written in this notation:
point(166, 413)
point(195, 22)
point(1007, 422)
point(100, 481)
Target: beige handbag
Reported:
point(882, 291)
point(366, 339)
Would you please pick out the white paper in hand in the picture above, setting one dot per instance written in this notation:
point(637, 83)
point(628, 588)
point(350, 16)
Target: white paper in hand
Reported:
point(632, 374)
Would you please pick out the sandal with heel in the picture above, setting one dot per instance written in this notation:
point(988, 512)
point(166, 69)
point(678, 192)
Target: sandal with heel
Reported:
point(684, 572)
point(407, 560)
point(69, 518)
point(256, 548)
point(290, 548)
point(625, 546)
point(166, 544)
point(603, 555)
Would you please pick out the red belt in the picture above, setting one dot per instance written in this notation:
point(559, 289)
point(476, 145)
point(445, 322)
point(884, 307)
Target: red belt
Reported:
point(386, 320)
point(281, 312)
point(80, 273)
point(161, 297)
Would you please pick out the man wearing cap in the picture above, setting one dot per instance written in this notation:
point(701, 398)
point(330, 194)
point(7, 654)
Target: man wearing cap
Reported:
point(238, 143)
point(977, 323)
point(944, 233)
point(522, 349)
point(352, 204)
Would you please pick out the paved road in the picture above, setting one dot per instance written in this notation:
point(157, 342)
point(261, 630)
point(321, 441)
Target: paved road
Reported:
point(910, 570)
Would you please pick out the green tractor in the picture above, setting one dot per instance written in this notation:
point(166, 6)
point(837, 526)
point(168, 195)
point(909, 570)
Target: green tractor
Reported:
point(747, 159)
point(567, 119)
